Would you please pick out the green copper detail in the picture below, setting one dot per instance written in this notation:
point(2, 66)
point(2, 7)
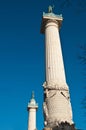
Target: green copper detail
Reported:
point(51, 14)
point(33, 95)
point(50, 9)
point(32, 103)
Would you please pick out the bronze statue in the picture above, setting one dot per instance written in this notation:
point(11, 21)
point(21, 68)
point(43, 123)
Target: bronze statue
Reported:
point(50, 9)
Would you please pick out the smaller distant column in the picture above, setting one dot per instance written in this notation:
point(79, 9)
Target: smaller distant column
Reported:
point(32, 107)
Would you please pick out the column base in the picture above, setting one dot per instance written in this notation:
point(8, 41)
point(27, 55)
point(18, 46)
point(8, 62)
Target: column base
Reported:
point(62, 126)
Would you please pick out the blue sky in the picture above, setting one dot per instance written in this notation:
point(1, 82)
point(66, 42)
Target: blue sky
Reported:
point(22, 59)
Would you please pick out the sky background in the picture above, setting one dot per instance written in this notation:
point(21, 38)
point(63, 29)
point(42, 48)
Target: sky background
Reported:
point(22, 59)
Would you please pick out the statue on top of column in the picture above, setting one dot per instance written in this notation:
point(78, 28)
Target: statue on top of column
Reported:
point(50, 9)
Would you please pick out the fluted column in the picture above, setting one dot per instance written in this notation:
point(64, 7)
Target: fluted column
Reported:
point(54, 62)
point(56, 106)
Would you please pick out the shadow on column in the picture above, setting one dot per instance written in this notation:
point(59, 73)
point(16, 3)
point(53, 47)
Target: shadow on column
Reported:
point(64, 126)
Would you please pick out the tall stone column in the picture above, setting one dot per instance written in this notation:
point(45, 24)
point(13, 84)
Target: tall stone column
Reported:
point(56, 106)
point(32, 107)
point(54, 63)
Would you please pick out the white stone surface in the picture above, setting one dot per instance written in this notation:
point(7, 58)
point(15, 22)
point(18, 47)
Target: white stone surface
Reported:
point(32, 107)
point(32, 119)
point(57, 106)
point(54, 63)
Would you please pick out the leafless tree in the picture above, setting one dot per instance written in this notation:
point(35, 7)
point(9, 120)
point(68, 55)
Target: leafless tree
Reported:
point(82, 59)
point(79, 6)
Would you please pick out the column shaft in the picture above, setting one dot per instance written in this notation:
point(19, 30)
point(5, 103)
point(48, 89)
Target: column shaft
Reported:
point(54, 61)
point(32, 119)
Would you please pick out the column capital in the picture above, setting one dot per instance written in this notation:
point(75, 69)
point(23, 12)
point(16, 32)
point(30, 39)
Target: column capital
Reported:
point(50, 17)
point(32, 104)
